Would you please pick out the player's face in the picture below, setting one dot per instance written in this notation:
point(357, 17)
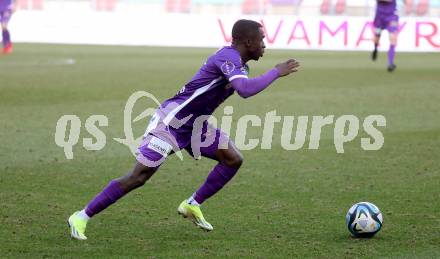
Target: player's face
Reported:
point(256, 48)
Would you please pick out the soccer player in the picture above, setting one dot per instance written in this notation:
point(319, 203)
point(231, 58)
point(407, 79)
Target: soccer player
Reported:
point(6, 10)
point(386, 18)
point(179, 123)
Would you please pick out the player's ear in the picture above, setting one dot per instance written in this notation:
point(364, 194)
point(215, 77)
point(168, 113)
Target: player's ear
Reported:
point(248, 42)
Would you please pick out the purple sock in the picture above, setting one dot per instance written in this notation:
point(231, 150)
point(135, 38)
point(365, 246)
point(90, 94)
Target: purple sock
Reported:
point(391, 53)
point(107, 197)
point(217, 178)
point(6, 37)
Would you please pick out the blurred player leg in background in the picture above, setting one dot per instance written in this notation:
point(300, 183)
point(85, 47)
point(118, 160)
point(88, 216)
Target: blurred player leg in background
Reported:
point(393, 31)
point(386, 18)
point(379, 25)
point(376, 40)
point(391, 25)
point(5, 16)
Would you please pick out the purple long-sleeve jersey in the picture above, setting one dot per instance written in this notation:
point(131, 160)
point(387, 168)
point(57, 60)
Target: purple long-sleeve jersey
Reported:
point(217, 79)
point(209, 87)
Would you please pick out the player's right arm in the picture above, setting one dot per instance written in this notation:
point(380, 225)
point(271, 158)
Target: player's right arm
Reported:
point(247, 87)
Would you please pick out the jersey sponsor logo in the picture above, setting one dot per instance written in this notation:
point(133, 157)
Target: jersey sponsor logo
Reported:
point(159, 146)
point(227, 67)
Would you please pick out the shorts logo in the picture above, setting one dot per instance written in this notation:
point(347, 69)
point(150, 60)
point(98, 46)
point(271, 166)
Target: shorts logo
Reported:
point(159, 146)
point(227, 67)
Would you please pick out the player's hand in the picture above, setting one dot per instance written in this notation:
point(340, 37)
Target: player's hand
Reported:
point(288, 67)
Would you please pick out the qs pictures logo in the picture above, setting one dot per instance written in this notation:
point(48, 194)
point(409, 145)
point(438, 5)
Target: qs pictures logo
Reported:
point(346, 129)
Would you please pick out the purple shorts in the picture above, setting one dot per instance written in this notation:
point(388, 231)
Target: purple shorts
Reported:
point(390, 22)
point(160, 142)
point(5, 15)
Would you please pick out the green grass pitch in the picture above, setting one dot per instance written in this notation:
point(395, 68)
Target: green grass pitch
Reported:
point(281, 204)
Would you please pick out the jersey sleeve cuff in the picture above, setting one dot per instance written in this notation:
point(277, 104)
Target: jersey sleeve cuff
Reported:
point(237, 76)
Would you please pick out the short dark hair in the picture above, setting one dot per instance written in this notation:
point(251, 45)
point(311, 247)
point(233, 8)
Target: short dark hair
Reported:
point(244, 29)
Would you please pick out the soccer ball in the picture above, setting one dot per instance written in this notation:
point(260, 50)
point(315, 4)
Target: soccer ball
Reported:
point(364, 219)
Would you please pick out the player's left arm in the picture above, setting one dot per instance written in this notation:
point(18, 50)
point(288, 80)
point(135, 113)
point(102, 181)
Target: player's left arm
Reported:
point(247, 87)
